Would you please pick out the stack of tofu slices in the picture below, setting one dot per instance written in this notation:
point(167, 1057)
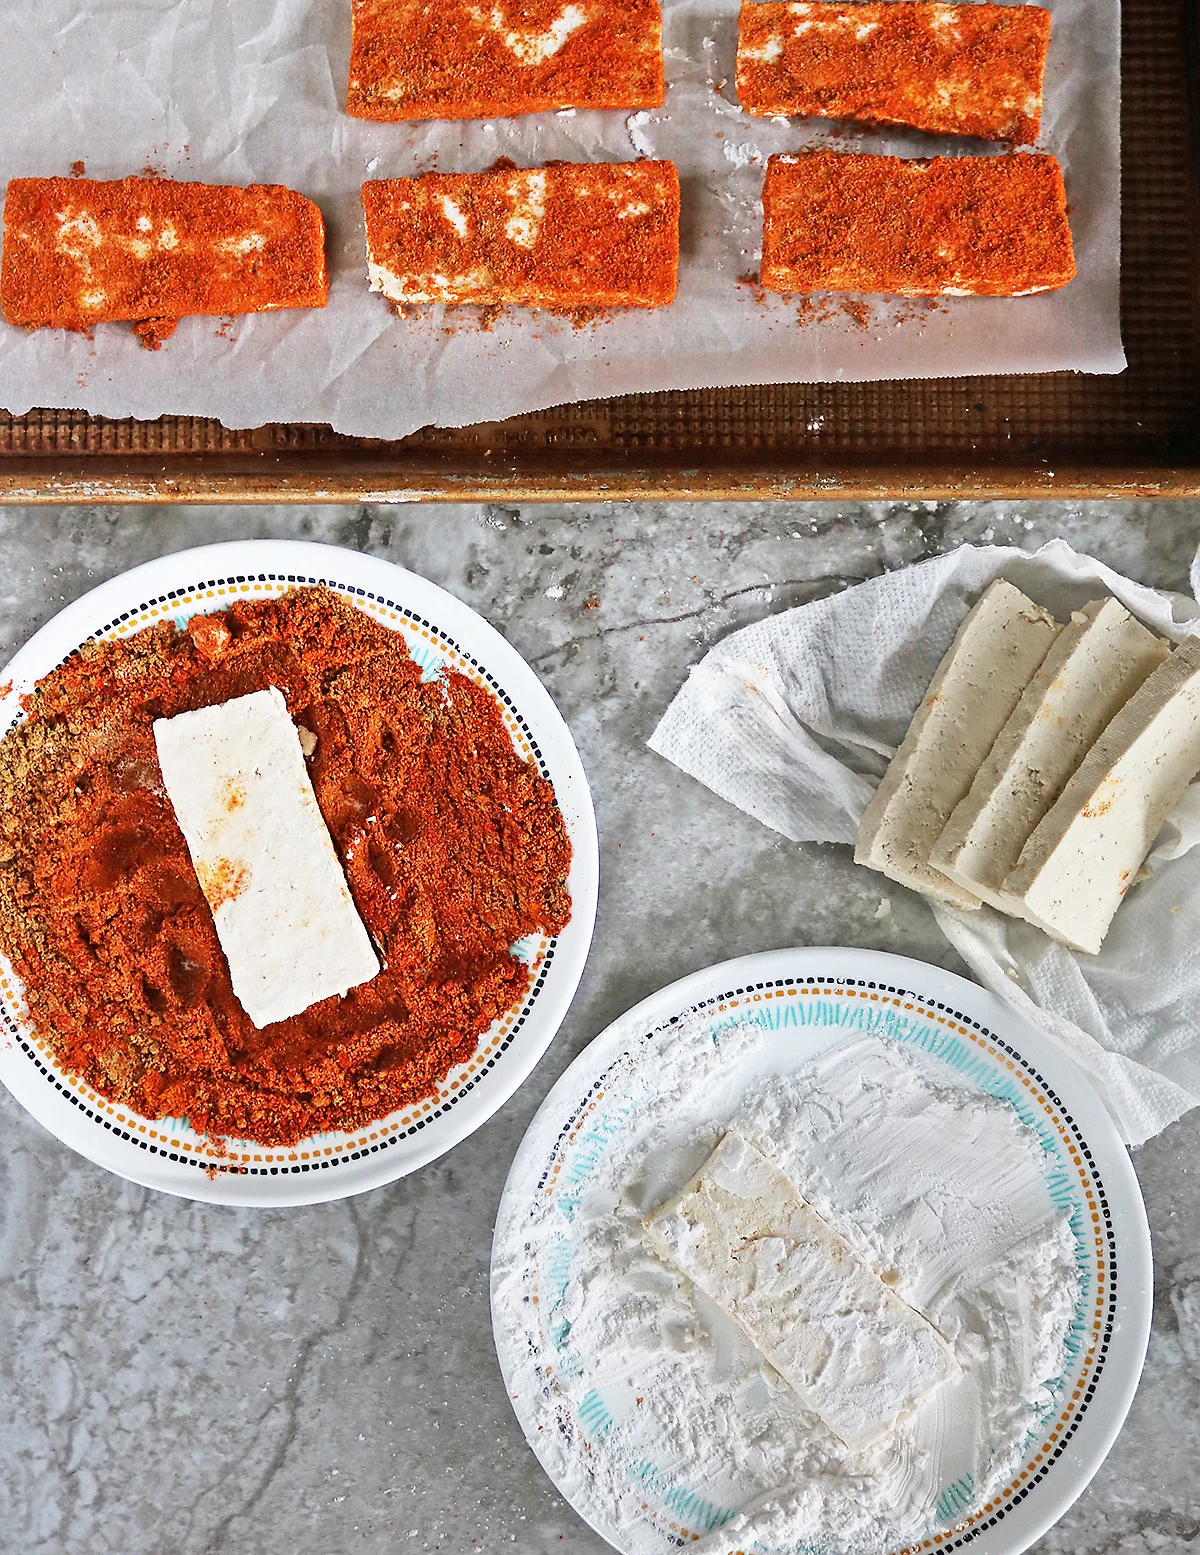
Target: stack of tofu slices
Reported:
point(1040, 765)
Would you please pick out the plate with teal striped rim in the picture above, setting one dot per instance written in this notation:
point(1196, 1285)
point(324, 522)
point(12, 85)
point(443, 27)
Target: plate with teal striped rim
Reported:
point(439, 630)
point(808, 1001)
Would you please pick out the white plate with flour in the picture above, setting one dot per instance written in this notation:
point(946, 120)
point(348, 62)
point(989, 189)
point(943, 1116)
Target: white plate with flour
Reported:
point(960, 1153)
point(440, 633)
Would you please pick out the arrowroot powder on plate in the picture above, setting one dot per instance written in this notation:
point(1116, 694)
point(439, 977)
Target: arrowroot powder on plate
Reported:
point(453, 847)
point(942, 1189)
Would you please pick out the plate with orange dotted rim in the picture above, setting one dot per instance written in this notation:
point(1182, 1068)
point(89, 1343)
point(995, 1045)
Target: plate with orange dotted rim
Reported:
point(831, 993)
point(439, 631)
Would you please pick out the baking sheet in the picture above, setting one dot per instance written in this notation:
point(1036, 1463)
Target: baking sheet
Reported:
point(253, 93)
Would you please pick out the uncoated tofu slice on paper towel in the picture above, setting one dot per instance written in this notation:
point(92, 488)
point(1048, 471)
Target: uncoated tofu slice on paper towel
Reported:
point(1077, 866)
point(971, 697)
point(1098, 661)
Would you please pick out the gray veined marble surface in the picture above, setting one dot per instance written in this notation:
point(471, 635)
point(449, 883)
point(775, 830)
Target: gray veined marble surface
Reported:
point(185, 1380)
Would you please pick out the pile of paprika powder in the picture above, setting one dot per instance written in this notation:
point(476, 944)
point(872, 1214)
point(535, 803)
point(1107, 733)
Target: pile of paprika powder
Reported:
point(454, 849)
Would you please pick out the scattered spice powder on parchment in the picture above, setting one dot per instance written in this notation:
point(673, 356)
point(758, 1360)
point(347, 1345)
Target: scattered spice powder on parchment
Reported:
point(453, 845)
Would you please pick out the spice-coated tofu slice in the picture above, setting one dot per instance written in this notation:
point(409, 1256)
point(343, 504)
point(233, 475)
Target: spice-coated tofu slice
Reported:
point(78, 252)
point(944, 227)
point(602, 235)
point(458, 59)
point(236, 777)
point(948, 69)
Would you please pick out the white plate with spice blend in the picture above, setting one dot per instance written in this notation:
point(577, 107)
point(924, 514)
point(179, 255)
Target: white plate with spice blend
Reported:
point(961, 1158)
point(426, 673)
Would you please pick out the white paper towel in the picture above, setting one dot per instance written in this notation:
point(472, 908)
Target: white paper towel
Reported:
point(255, 92)
point(793, 720)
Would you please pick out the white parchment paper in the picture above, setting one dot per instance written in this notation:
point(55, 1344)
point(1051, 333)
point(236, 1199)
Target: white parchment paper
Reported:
point(253, 91)
point(794, 720)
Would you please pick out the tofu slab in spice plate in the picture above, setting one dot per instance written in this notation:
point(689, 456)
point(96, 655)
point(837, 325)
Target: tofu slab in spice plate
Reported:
point(299, 873)
point(237, 782)
point(801, 1254)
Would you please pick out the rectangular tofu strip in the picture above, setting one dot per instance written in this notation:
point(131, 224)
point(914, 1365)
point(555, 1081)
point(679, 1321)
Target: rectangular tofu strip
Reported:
point(858, 1356)
point(290, 931)
point(78, 252)
point(1097, 662)
point(1078, 864)
point(970, 699)
point(458, 59)
point(945, 227)
point(603, 235)
point(948, 69)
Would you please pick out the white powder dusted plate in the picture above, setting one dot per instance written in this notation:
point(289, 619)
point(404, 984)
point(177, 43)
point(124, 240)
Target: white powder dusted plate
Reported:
point(439, 631)
point(957, 1151)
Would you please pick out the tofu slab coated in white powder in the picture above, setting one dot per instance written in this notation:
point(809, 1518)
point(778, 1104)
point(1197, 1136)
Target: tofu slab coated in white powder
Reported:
point(284, 915)
point(1097, 662)
point(858, 1356)
point(971, 697)
point(1080, 861)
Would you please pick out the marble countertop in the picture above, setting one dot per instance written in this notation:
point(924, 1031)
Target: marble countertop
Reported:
point(187, 1379)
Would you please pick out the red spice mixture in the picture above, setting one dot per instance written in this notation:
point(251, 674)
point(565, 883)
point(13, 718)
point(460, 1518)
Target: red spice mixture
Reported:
point(453, 846)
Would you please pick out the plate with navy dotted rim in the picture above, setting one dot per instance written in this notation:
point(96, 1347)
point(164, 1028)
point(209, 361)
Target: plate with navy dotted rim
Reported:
point(814, 997)
point(439, 630)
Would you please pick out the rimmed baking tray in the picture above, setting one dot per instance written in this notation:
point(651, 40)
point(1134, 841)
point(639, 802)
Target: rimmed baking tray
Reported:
point(1060, 434)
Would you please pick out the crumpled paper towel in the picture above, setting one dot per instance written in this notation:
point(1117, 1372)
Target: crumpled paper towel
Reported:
point(794, 720)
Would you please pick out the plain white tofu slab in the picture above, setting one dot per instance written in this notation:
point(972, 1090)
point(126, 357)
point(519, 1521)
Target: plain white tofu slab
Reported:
point(289, 928)
point(1080, 861)
point(971, 697)
point(1096, 663)
point(858, 1356)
